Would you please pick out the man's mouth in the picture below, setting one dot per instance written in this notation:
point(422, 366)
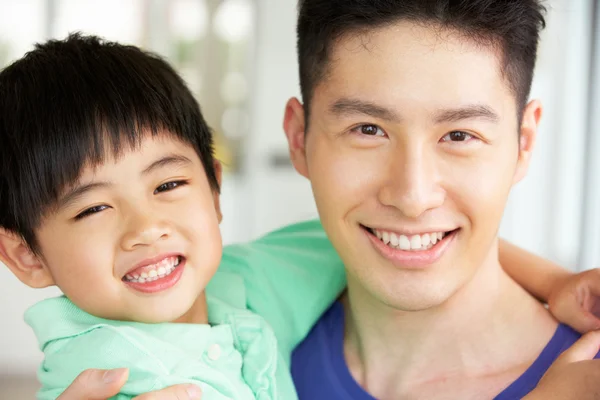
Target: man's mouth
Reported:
point(416, 242)
point(153, 272)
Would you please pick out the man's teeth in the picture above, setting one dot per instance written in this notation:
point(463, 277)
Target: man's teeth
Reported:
point(154, 271)
point(414, 242)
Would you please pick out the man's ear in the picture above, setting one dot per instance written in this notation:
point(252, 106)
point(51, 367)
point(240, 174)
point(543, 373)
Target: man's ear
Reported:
point(532, 115)
point(216, 193)
point(26, 266)
point(294, 127)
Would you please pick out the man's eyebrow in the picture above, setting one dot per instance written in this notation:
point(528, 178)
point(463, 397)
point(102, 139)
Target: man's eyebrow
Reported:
point(473, 111)
point(348, 106)
point(74, 193)
point(170, 160)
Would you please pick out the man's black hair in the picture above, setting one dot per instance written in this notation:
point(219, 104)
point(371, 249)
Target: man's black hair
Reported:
point(512, 26)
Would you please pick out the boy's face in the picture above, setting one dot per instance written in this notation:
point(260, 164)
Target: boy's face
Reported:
point(150, 213)
point(413, 134)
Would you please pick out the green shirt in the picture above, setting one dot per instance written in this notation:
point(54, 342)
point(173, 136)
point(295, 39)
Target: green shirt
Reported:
point(262, 302)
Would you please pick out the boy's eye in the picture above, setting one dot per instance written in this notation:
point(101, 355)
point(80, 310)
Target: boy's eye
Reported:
point(90, 211)
point(457, 136)
point(167, 186)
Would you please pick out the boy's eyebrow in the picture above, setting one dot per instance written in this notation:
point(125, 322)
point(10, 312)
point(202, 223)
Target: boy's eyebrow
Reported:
point(76, 192)
point(169, 160)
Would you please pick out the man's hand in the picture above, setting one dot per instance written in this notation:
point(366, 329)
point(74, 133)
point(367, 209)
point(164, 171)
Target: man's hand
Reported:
point(574, 375)
point(96, 384)
point(575, 301)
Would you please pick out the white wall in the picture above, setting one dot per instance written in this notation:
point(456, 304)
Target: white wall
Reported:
point(544, 211)
point(278, 195)
point(19, 352)
point(590, 254)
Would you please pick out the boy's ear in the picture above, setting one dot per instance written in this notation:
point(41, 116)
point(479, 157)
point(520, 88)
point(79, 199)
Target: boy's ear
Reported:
point(26, 266)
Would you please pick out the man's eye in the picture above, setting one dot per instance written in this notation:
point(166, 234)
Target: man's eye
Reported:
point(457, 136)
point(369, 130)
point(167, 186)
point(90, 211)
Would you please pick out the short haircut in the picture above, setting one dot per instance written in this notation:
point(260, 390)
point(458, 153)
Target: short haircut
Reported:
point(68, 103)
point(512, 26)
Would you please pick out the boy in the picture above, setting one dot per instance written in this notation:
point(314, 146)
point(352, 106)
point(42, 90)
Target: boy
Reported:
point(110, 191)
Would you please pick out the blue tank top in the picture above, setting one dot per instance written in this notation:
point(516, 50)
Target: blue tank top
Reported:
point(320, 372)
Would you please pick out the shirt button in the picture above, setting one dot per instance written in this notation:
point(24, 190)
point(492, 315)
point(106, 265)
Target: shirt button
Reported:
point(214, 352)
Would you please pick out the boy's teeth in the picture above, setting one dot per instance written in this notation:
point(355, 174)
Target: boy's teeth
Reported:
point(154, 272)
point(413, 243)
point(403, 243)
point(425, 240)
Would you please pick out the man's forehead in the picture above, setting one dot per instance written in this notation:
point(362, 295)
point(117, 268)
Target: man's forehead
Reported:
point(411, 60)
point(385, 56)
point(421, 37)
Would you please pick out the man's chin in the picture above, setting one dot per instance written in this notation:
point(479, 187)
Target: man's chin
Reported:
point(424, 302)
point(418, 295)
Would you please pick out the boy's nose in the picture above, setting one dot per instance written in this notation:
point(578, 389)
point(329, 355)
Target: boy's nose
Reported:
point(144, 230)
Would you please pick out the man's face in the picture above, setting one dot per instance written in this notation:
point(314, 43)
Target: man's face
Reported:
point(137, 237)
point(412, 149)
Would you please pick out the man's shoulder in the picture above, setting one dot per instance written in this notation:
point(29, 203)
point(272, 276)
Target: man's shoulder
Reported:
point(564, 338)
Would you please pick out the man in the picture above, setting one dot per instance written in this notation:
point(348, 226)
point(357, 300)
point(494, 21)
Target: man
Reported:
point(415, 126)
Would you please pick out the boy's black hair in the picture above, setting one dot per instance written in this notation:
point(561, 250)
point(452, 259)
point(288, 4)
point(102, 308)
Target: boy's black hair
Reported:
point(68, 103)
point(513, 26)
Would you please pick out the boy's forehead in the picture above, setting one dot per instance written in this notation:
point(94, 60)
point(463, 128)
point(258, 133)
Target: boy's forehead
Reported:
point(132, 154)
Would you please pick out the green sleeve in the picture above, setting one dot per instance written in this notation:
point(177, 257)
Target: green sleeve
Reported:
point(105, 348)
point(291, 276)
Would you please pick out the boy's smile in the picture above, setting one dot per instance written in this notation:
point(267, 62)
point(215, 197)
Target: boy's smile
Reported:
point(154, 275)
point(137, 236)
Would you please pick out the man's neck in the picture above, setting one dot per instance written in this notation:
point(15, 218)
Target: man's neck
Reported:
point(485, 336)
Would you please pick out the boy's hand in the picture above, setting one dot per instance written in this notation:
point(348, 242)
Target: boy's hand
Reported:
point(96, 384)
point(575, 301)
point(574, 375)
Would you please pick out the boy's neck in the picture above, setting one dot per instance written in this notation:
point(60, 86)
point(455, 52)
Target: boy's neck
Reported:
point(197, 314)
point(482, 338)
